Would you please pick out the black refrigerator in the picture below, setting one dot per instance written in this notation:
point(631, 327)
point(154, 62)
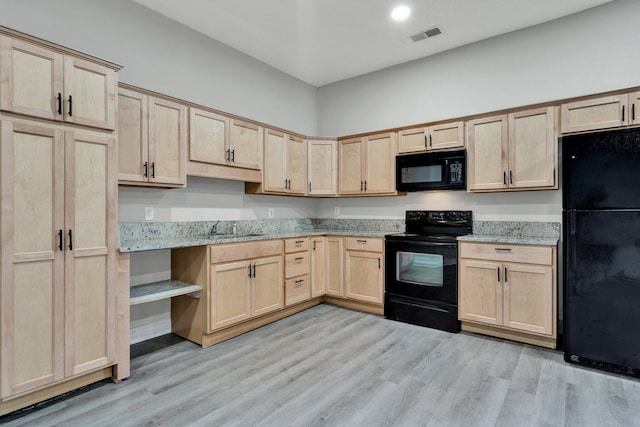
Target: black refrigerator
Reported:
point(601, 235)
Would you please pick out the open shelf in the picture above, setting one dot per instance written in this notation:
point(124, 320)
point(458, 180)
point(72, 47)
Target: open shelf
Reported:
point(161, 290)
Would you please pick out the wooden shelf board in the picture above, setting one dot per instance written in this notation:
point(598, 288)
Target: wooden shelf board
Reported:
point(160, 290)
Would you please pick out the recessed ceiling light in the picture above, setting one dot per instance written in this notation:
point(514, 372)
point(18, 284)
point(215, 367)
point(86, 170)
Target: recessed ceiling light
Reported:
point(400, 13)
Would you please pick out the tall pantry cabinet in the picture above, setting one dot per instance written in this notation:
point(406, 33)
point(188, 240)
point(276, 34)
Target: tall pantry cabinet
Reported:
point(58, 187)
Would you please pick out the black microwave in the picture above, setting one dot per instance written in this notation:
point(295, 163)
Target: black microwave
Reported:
point(439, 170)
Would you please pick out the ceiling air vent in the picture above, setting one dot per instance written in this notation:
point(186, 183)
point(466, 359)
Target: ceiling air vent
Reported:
point(426, 34)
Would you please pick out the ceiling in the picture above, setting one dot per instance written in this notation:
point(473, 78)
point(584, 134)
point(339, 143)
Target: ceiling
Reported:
point(323, 41)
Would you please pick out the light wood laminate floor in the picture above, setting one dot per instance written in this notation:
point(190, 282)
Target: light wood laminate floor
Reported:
point(336, 367)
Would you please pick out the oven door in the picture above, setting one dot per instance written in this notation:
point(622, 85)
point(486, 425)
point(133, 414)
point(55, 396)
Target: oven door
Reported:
point(422, 270)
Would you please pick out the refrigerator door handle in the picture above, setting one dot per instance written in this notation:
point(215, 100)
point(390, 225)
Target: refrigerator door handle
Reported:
point(572, 238)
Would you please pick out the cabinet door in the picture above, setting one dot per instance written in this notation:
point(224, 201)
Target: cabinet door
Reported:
point(208, 137)
point(592, 114)
point(533, 148)
point(133, 136)
point(446, 135)
point(167, 142)
point(90, 93)
point(267, 286)
point(274, 171)
point(296, 165)
point(487, 148)
point(32, 291)
point(91, 243)
point(350, 166)
point(229, 294)
point(318, 269)
point(334, 266)
point(364, 276)
point(297, 289)
point(322, 167)
point(413, 140)
point(634, 106)
point(245, 141)
point(31, 79)
point(529, 298)
point(380, 164)
point(480, 292)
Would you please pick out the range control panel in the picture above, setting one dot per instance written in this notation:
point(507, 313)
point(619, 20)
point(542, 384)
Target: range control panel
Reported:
point(441, 217)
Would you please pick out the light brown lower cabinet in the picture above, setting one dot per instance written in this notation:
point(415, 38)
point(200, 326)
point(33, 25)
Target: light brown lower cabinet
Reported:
point(297, 266)
point(244, 287)
point(319, 265)
point(239, 290)
point(509, 291)
point(334, 269)
point(364, 270)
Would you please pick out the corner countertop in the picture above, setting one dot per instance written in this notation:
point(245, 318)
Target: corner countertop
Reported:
point(515, 240)
point(183, 242)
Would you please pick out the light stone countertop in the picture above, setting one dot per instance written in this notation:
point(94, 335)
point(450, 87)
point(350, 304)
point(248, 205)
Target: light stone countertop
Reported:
point(183, 242)
point(514, 232)
point(515, 240)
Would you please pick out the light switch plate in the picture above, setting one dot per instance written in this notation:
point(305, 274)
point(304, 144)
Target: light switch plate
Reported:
point(148, 213)
point(336, 210)
point(272, 213)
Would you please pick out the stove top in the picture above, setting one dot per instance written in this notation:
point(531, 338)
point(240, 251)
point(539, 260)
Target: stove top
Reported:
point(435, 226)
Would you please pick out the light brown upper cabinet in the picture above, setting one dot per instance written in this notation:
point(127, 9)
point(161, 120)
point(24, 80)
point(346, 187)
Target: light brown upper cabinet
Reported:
point(59, 235)
point(515, 151)
point(322, 167)
point(367, 165)
point(285, 163)
point(601, 113)
point(436, 137)
point(152, 139)
point(42, 83)
point(223, 147)
point(209, 137)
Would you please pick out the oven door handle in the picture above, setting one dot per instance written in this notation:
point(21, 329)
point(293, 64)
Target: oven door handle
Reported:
point(400, 243)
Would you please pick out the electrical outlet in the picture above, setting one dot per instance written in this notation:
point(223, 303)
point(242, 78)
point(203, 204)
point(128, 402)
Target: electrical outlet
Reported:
point(148, 213)
point(272, 213)
point(336, 210)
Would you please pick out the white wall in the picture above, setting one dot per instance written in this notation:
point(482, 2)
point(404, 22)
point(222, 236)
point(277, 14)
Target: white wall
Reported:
point(582, 54)
point(516, 206)
point(208, 199)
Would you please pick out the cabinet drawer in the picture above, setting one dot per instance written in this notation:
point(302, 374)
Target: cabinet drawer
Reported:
point(508, 253)
point(367, 244)
point(297, 264)
point(243, 251)
point(297, 290)
point(296, 245)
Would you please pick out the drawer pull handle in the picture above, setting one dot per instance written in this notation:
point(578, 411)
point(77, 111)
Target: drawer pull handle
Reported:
point(505, 275)
point(361, 241)
point(300, 258)
point(503, 249)
point(299, 280)
point(299, 242)
point(498, 274)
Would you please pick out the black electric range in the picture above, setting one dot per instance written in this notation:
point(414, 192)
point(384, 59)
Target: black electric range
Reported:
point(421, 269)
